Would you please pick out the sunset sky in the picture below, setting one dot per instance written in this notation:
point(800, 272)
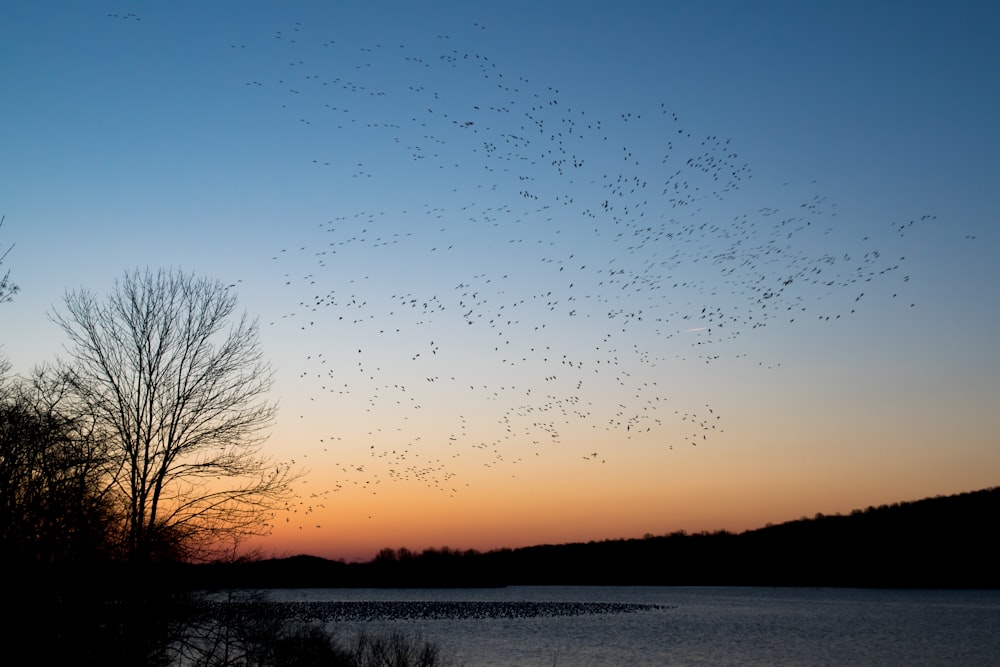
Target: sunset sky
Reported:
point(542, 272)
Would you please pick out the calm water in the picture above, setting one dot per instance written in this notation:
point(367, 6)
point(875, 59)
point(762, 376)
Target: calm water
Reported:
point(683, 626)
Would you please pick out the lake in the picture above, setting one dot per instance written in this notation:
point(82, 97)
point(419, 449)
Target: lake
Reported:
point(564, 625)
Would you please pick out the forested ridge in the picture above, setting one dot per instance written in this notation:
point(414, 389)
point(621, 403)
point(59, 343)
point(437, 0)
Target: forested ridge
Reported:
point(940, 542)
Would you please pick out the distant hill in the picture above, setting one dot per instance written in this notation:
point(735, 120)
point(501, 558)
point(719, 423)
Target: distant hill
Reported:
point(941, 542)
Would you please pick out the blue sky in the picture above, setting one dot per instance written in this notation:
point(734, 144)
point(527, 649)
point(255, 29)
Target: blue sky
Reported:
point(550, 230)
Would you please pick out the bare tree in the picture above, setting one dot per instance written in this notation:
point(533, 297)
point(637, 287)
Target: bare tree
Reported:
point(180, 387)
point(7, 288)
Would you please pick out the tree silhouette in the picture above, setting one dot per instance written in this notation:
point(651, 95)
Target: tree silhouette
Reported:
point(52, 506)
point(177, 386)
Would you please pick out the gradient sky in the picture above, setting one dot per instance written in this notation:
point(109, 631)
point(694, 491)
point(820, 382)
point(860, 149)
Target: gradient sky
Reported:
point(535, 274)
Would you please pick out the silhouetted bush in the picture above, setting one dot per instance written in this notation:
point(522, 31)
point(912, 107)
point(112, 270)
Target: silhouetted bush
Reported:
point(246, 630)
point(394, 650)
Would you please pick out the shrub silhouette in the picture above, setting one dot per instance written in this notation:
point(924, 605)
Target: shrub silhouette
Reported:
point(246, 630)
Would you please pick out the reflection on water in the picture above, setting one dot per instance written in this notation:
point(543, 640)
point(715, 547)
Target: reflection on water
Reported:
point(678, 626)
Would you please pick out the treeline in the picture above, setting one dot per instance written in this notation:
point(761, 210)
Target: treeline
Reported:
point(941, 542)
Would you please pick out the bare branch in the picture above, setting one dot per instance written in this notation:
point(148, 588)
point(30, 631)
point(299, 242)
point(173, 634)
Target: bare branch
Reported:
point(7, 287)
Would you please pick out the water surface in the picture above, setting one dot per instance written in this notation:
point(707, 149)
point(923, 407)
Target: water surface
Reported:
point(560, 625)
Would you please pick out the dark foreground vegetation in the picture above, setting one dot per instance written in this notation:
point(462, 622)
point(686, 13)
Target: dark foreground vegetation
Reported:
point(942, 542)
point(139, 452)
point(80, 624)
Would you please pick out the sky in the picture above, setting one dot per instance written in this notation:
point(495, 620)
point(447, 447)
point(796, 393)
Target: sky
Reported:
point(541, 272)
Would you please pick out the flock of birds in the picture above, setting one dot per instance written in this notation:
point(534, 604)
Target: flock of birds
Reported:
point(533, 279)
point(367, 611)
